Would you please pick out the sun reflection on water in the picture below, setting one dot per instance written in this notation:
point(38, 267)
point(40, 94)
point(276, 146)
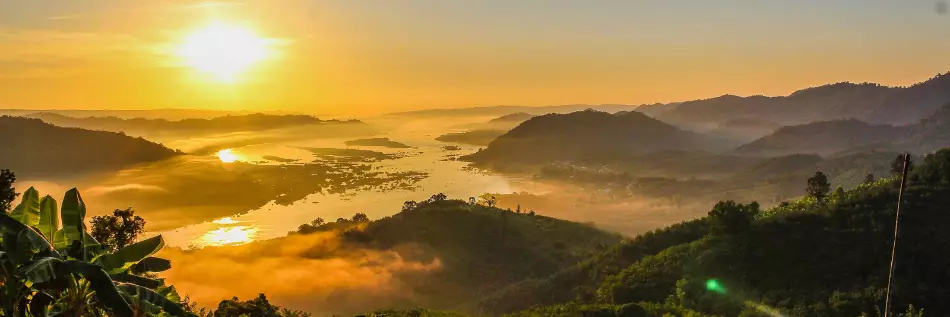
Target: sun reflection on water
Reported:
point(235, 235)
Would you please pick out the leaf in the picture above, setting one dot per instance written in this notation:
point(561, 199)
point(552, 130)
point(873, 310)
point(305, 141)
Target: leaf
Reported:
point(154, 298)
point(137, 280)
point(40, 304)
point(106, 291)
point(42, 270)
point(151, 264)
point(17, 237)
point(73, 213)
point(28, 211)
point(49, 218)
point(122, 260)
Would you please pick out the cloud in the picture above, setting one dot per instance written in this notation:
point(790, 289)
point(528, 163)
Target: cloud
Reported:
point(45, 53)
point(101, 190)
point(316, 273)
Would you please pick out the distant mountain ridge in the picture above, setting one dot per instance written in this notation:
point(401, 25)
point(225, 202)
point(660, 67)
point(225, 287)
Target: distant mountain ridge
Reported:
point(513, 117)
point(832, 137)
point(588, 134)
point(866, 102)
point(504, 110)
point(227, 123)
point(31, 147)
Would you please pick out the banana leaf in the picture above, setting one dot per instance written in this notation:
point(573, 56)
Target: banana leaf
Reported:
point(102, 284)
point(137, 280)
point(43, 270)
point(73, 213)
point(151, 264)
point(154, 298)
point(124, 258)
point(39, 305)
point(21, 241)
point(49, 218)
point(28, 211)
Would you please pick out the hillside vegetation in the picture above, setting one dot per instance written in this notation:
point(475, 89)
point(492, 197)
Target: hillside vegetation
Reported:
point(481, 249)
point(34, 148)
point(587, 135)
point(831, 137)
point(804, 258)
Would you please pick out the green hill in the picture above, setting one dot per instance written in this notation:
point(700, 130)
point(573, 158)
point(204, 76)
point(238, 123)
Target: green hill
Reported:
point(34, 148)
point(481, 249)
point(798, 259)
point(586, 135)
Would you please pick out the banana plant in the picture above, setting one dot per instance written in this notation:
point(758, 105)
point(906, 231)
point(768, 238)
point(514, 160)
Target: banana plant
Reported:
point(48, 267)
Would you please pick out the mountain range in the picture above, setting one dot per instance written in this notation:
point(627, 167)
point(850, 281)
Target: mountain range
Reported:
point(867, 102)
point(588, 134)
point(32, 147)
point(834, 137)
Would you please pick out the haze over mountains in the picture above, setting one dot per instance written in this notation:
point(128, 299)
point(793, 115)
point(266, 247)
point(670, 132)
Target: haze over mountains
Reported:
point(32, 147)
point(589, 134)
point(229, 123)
point(830, 137)
point(866, 102)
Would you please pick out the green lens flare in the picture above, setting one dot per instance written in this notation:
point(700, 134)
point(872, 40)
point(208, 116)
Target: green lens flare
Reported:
point(713, 285)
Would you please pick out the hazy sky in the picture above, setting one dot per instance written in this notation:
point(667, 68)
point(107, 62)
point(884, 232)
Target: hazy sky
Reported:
point(372, 56)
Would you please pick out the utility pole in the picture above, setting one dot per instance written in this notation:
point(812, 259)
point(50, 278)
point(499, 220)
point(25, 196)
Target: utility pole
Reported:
point(897, 222)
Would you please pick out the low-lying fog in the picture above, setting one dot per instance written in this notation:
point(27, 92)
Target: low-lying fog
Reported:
point(234, 191)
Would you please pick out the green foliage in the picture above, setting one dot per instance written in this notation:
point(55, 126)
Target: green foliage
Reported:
point(257, 307)
point(7, 193)
point(40, 277)
point(897, 165)
point(729, 217)
point(419, 312)
point(818, 186)
point(118, 230)
point(581, 281)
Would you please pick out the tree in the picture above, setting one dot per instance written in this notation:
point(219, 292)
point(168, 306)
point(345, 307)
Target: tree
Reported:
point(869, 178)
point(119, 230)
point(438, 197)
point(54, 268)
point(897, 165)
point(818, 186)
point(258, 307)
point(317, 222)
point(409, 205)
point(360, 217)
point(7, 193)
point(732, 218)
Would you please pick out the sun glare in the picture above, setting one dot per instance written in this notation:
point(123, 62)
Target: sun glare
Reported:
point(229, 236)
point(228, 156)
point(223, 51)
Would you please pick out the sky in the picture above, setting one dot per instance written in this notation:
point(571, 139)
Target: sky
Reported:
point(346, 57)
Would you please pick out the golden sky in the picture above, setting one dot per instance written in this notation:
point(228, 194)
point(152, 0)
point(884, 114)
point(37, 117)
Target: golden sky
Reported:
point(375, 56)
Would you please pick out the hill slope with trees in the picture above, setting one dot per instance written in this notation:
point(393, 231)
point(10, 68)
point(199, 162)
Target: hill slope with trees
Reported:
point(587, 135)
point(866, 102)
point(831, 137)
point(32, 147)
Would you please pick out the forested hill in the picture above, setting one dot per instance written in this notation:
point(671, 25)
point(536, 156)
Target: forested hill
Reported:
point(866, 102)
point(251, 122)
point(32, 147)
point(481, 249)
point(587, 135)
point(830, 137)
point(802, 258)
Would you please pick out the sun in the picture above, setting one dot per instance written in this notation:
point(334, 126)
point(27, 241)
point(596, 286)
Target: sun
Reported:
point(223, 51)
point(228, 156)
